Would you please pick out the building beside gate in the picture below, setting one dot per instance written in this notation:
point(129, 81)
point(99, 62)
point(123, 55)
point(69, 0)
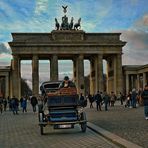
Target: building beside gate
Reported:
point(135, 76)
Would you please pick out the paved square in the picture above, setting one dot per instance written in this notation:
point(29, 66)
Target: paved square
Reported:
point(22, 131)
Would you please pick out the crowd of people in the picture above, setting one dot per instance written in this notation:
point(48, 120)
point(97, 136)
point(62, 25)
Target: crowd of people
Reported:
point(103, 98)
point(132, 99)
point(14, 104)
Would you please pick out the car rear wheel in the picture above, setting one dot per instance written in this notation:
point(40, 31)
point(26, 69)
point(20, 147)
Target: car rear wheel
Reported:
point(83, 124)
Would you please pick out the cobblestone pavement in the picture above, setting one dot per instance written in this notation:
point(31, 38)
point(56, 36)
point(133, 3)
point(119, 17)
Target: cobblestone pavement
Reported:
point(128, 123)
point(22, 131)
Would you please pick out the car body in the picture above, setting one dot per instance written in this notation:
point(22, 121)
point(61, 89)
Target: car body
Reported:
point(62, 108)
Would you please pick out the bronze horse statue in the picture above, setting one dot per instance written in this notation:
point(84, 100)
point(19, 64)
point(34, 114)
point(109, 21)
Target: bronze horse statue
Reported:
point(71, 24)
point(77, 24)
point(57, 25)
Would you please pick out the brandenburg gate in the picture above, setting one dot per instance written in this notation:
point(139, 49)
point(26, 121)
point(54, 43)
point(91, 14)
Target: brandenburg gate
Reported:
point(68, 43)
point(73, 45)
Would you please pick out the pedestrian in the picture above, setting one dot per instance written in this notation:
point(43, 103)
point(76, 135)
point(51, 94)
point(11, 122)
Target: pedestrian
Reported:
point(145, 101)
point(34, 102)
point(24, 104)
point(98, 100)
point(112, 98)
point(1, 104)
point(5, 104)
point(139, 98)
point(21, 100)
point(83, 101)
point(91, 100)
point(121, 97)
point(134, 97)
point(15, 104)
point(128, 99)
point(40, 104)
point(106, 99)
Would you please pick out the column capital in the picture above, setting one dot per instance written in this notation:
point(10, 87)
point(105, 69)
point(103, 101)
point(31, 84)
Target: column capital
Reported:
point(35, 56)
point(16, 57)
point(81, 56)
point(100, 54)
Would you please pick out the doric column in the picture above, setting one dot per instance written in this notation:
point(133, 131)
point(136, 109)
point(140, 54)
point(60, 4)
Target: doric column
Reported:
point(132, 81)
point(119, 85)
point(16, 77)
point(74, 70)
point(144, 79)
point(98, 73)
point(92, 76)
point(35, 75)
point(11, 80)
point(107, 77)
point(54, 68)
point(127, 83)
point(80, 74)
point(115, 74)
point(138, 80)
point(6, 86)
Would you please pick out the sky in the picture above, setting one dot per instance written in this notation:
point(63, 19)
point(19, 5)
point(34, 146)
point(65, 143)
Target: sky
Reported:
point(130, 17)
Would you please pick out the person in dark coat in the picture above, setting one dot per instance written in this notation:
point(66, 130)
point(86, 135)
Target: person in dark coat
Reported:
point(15, 104)
point(21, 100)
point(121, 97)
point(1, 104)
point(34, 102)
point(145, 101)
point(24, 104)
point(91, 100)
point(98, 99)
point(5, 104)
point(106, 99)
point(83, 101)
point(134, 98)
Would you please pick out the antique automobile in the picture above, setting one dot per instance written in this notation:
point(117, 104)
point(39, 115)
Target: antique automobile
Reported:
point(62, 108)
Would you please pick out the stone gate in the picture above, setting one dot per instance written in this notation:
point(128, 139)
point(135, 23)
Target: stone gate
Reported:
point(75, 45)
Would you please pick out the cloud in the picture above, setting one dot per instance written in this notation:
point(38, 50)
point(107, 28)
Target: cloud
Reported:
point(5, 54)
point(141, 24)
point(4, 48)
point(41, 6)
point(136, 49)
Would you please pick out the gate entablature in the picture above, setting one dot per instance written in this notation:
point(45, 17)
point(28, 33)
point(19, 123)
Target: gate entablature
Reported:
point(66, 36)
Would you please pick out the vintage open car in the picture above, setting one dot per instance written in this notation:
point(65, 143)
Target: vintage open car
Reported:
point(61, 107)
